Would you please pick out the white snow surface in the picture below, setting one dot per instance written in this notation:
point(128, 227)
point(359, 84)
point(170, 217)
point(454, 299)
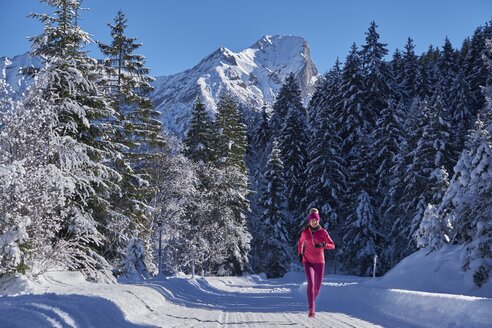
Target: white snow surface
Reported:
point(422, 291)
point(253, 76)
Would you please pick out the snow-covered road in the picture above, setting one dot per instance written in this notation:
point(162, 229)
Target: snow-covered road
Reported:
point(66, 300)
point(255, 302)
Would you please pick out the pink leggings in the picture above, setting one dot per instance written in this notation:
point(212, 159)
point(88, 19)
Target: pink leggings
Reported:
point(314, 275)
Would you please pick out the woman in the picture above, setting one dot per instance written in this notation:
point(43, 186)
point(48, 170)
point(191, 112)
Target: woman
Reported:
point(314, 239)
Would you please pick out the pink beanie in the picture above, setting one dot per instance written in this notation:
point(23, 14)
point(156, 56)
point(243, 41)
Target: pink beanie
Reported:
point(313, 216)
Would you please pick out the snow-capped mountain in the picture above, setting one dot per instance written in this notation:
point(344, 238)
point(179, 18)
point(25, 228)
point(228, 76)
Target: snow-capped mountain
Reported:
point(254, 76)
point(10, 70)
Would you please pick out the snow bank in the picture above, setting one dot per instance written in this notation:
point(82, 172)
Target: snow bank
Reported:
point(437, 272)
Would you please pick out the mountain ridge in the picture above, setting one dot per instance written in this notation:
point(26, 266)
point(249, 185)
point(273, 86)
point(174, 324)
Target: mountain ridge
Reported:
point(253, 76)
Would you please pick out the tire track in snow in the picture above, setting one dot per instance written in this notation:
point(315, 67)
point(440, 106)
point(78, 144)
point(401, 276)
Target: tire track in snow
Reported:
point(141, 300)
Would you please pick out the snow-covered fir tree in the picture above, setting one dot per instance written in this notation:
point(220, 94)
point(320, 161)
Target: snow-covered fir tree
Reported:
point(397, 71)
point(466, 206)
point(462, 116)
point(136, 132)
point(288, 97)
point(176, 217)
point(224, 196)
point(33, 191)
point(475, 69)
point(447, 65)
point(256, 161)
point(423, 82)
point(288, 125)
point(387, 139)
point(434, 148)
point(224, 191)
point(134, 263)
point(352, 119)
point(411, 69)
point(231, 137)
point(274, 249)
point(326, 171)
point(431, 233)
point(422, 181)
point(360, 239)
point(377, 76)
point(262, 134)
point(68, 81)
point(198, 143)
point(293, 149)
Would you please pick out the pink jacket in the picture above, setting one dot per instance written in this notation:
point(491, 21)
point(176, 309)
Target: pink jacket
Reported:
point(307, 241)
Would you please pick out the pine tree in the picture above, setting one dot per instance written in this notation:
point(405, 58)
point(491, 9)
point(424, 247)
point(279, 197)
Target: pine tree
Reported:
point(136, 130)
point(198, 144)
point(423, 81)
point(293, 148)
point(448, 69)
point(377, 77)
point(360, 239)
point(428, 77)
point(257, 157)
point(436, 140)
point(466, 204)
point(288, 97)
point(68, 82)
point(433, 152)
point(352, 119)
point(462, 115)
point(231, 138)
point(397, 69)
point(431, 232)
point(179, 213)
point(33, 191)
point(411, 70)
point(262, 134)
point(406, 204)
point(387, 139)
point(475, 69)
point(226, 188)
point(325, 172)
point(225, 192)
point(425, 176)
point(273, 252)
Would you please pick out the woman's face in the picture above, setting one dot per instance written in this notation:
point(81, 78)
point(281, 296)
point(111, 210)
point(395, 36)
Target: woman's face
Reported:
point(314, 223)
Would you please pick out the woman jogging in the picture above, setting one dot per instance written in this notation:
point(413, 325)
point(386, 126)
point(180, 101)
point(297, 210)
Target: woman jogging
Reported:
point(314, 239)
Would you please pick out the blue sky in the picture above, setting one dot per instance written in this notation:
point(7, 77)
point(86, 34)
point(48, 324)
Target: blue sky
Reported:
point(177, 34)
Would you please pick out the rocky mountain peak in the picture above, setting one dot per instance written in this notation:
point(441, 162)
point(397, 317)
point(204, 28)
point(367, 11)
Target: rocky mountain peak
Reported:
point(254, 76)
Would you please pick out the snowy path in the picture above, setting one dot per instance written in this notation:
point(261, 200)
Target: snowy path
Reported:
point(254, 302)
point(66, 300)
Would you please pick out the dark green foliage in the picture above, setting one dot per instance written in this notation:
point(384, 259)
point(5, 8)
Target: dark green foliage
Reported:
point(136, 131)
point(326, 169)
point(274, 255)
point(231, 139)
point(199, 141)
